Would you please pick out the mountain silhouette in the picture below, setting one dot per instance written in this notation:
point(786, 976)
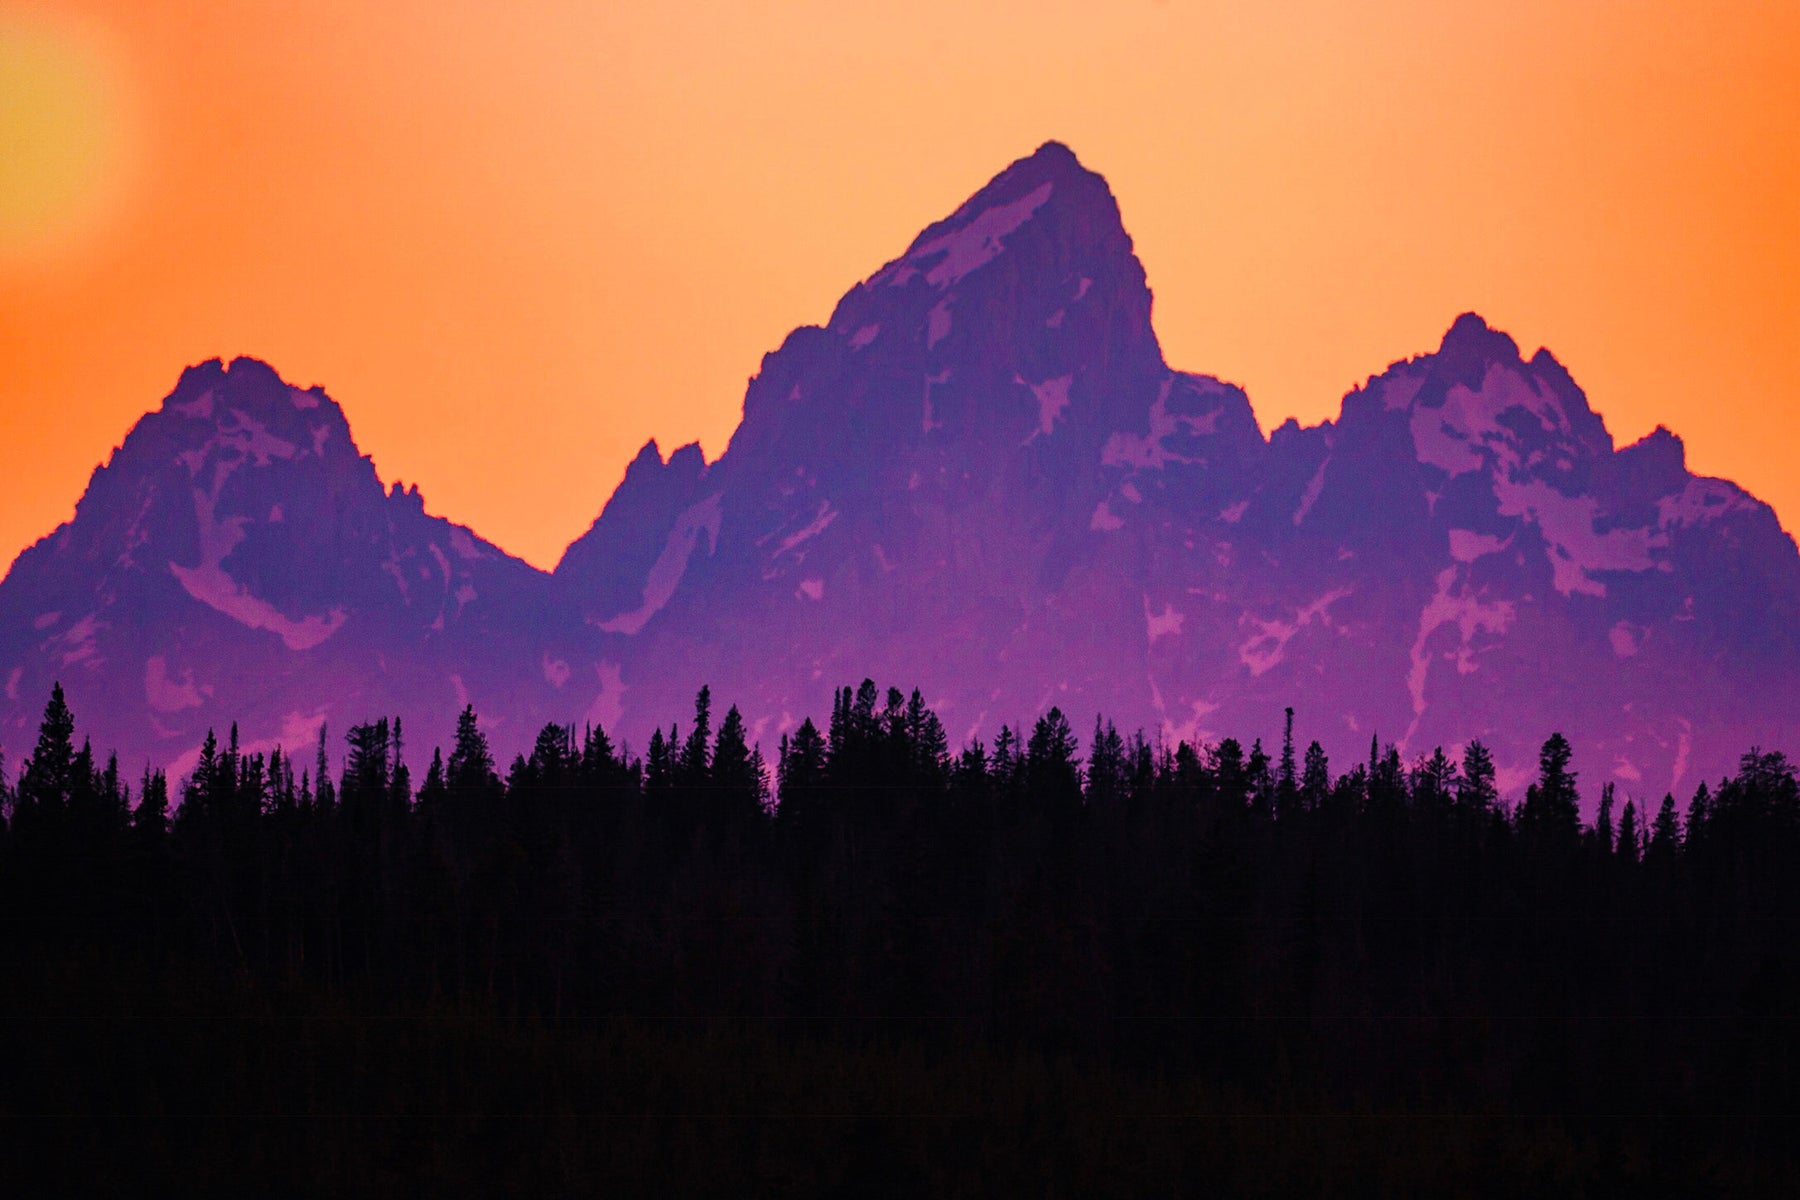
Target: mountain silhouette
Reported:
point(237, 559)
point(978, 477)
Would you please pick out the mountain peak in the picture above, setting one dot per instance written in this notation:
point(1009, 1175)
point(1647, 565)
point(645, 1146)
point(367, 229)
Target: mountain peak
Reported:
point(1047, 187)
point(1471, 345)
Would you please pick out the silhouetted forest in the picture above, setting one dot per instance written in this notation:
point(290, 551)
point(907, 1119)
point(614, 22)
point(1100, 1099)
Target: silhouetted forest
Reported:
point(1054, 927)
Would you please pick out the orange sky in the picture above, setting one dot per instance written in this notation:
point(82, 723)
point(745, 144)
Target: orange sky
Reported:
point(517, 239)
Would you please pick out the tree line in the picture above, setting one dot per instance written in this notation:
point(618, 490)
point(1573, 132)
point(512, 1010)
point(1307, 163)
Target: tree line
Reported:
point(871, 870)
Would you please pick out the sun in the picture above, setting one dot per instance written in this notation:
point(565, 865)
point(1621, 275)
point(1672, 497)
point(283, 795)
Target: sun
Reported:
point(63, 151)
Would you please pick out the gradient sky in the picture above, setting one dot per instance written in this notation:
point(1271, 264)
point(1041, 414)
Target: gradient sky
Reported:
point(517, 239)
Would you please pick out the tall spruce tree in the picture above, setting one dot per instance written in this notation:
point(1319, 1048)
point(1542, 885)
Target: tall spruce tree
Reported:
point(1552, 812)
point(47, 783)
point(1476, 791)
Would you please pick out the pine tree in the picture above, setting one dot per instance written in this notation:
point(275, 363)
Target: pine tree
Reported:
point(432, 791)
point(1698, 813)
point(1552, 813)
point(1230, 780)
point(1262, 779)
point(400, 781)
point(1603, 823)
point(929, 745)
point(1051, 767)
point(659, 767)
point(801, 772)
point(1476, 791)
point(1287, 785)
point(1434, 783)
point(736, 792)
point(1106, 780)
point(324, 795)
point(1665, 833)
point(692, 768)
point(201, 796)
point(1315, 778)
point(47, 783)
point(151, 817)
point(1628, 833)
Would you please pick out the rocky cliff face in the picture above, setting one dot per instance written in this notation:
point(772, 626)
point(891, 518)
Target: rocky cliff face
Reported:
point(981, 478)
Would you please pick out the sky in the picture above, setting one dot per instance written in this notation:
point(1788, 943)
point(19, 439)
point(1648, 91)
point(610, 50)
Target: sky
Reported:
point(515, 240)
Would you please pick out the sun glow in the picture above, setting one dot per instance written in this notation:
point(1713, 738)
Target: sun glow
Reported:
point(63, 140)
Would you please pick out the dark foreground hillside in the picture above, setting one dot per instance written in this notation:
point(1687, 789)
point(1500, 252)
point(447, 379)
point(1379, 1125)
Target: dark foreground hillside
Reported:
point(1133, 969)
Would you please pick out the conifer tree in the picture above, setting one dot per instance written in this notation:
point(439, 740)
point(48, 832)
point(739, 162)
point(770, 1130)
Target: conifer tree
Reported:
point(1552, 807)
point(1287, 783)
point(1698, 814)
point(1603, 821)
point(1476, 791)
point(324, 795)
point(1665, 833)
point(929, 745)
point(695, 755)
point(1628, 833)
point(1051, 767)
point(1106, 780)
point(736, 792)
point(659, 767)
point(1434, 782)
point(1230, 779)
point(1261, 780)
point(432, 791)
point(48, 781)
point(801, 771)
point(151, 817)
point(1315, 778)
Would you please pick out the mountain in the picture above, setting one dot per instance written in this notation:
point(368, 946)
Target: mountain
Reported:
point(237, 559)
point(981, 478)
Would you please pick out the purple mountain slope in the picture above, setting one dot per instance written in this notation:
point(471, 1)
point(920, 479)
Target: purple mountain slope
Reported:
point(238, 559)
point(981, 478)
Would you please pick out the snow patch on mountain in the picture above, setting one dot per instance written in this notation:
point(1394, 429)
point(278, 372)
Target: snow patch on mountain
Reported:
point(819, 524)
point(82, 639)
point(1151, 452)
point(665, 574)
point(1450, 436)
point(1577, 549)
point(978, 241)
point(608, 706)
point(1702, 500)
point(1310, 497)
point(1467, 613)
point(1268, 645)
point(1052, 398)
point(937, 323)
point(209, 583)
point(1466, 545)
point(1167, 623)
point(200, 407)
point(465, 546)
point(167, 695)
